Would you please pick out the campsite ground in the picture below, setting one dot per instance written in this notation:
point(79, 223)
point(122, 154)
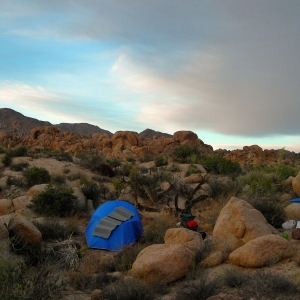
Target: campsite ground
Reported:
point(286, 268)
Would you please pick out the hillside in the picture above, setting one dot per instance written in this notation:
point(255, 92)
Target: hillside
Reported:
point(14, 122)
point(244, 255)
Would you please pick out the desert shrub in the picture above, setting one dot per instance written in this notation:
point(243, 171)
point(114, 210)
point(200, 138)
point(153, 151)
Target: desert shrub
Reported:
point(143, 170)
point(57, 179)
point(146, 158)
point(82, 281)
point(126, 168)
point(192, 169)
point(17, 281)
point(19, 167)
point(183, 154)
point(267, 285)
point(127, 256)
point(2, 150)
point(14, 152)
point(160, 161)
point(36, 175)
point(128, 289)
point(234, 278)
point(220, 165)
point(258, 184)
point(54, 201)
point(282, 171)
point(114, 163)
point(92, 191)
point(17, 181)
point(76, 176)
point(6, 160)
point(89, 160)
point(118, 185)
point(271, 208)
point(174, 168)
point(130, 159)
point(224, 188)
point(52, 229)
point(200, 289)
point(154, 230)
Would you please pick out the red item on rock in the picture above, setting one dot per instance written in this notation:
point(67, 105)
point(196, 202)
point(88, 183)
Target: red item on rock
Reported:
point(192, 224)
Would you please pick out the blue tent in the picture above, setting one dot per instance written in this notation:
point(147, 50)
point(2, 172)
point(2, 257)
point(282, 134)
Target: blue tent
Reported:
point(297, 200)
point(113, 225)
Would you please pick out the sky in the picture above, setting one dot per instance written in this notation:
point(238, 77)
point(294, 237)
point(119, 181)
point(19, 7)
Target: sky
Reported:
point(227, 70)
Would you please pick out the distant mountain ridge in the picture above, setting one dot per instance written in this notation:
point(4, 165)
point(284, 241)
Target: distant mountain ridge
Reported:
point(18, 124)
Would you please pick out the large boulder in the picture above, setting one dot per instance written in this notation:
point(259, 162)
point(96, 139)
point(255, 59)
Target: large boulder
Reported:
point(293, 211)
point(6, 207)
point(183, 136)
point(262, 251)
point(160, 263)
point(24, 230)
point(191, 239)
point(296, 184)
point(238, 223)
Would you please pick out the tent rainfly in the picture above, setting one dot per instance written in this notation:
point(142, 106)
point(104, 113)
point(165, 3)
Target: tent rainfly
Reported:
point(113, 225)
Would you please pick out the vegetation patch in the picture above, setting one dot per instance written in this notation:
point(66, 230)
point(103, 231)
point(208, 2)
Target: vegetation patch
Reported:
point(54, 201)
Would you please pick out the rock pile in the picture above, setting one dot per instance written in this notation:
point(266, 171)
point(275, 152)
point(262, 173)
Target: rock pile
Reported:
point(121, 145)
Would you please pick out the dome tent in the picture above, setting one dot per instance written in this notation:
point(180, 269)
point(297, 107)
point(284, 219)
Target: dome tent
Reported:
point(113, 225)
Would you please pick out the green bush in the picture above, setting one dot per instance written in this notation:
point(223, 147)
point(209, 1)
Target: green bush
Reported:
point(143, 170)
point(19, 167)
point(130, 159)
point(226, 188)
point(114, 163)
point(174, 168)
point(61, 156)
point(160, 161)
point(53, 229)
point(184, 153)
point(282, 171)
point(191, 170)
point(92, 191)
point(14, 152)
point(36, 175)
point(91, 161)
point(258, 184)
point(146, 158)
point(220, 165)
point(54, 201)
point(6, 160)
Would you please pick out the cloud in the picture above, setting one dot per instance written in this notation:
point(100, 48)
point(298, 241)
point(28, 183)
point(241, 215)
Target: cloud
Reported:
point(225, 66)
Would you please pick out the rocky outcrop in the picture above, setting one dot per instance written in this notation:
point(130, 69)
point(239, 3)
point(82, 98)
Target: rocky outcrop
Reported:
point(186, 237)
point(296, 184)
point(253, 155)
point(120, 145)
point(293, 211)
point(238, 223)
point(6, 207)
point(160, 263)
point(23, 229)
point(262, 251)
point(165, 263)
